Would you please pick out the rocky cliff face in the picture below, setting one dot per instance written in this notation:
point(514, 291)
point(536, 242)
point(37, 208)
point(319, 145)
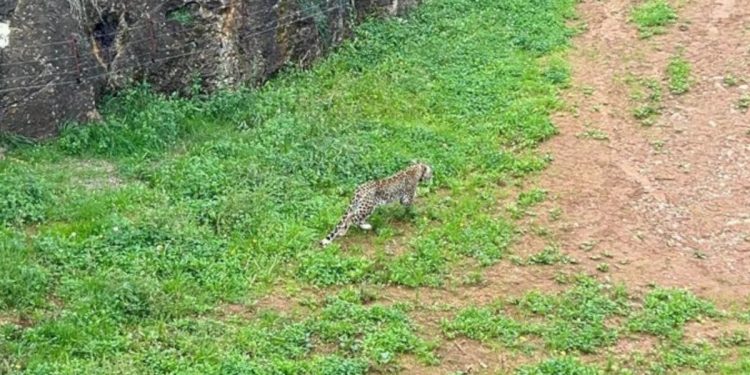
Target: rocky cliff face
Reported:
point(58, 57)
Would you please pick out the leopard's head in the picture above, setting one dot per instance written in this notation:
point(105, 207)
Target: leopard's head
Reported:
point(426, 172)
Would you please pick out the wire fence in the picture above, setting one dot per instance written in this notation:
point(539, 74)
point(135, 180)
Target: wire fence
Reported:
point(80, 73)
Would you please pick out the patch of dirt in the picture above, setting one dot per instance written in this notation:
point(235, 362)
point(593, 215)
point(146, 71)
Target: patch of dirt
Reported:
point(634, 344)
point(502, 281)
point(665, 205)
point(470, 357)
point(19, 320)
point(94, 174)
point(277, 300)
point(714, 330)
point(673, 215)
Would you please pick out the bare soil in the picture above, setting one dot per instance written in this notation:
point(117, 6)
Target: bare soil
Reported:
point(669, 203)
point(665, 205)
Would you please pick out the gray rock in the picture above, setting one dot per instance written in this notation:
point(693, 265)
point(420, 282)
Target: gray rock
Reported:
point(64, 55)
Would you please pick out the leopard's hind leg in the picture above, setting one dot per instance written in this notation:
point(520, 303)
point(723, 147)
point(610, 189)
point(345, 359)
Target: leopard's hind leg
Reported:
point(362, 216)
point(357, 213)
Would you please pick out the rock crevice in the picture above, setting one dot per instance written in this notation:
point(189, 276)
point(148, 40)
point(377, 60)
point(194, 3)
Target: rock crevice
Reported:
point(58, 57)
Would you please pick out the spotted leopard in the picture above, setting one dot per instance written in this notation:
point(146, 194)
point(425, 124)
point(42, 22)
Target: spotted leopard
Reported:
point(401, 187)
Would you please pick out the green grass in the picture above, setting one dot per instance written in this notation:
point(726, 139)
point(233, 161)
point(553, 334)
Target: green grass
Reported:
point(743, 104)
point(646, 94)
point(559, 366)
point(548, 256)
point(595, 134)
point(700, 357)
point(589, 318)
point(486, 324)
point(652, 17)
point(569, 321)
point(526, 200)
point(665, 312)
point(121, 240)
point(730, 80)
point(678, 74)
point(183, 16)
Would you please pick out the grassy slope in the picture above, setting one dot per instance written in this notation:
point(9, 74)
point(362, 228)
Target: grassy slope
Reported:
point(212, 200)
point(121, 239)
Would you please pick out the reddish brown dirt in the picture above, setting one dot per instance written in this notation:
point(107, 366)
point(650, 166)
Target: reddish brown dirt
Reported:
point(678, 216)
point(675, 215)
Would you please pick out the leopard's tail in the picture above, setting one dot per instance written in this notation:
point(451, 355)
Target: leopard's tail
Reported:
point(341, 228)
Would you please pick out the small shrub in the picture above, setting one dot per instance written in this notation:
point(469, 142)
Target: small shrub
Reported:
point(559, 366)
point(666, 311)
point(23, 284)
point(652, 17)
point(678, 72)
point(330, 268)
point(484, 324)
point(743, 104)
point(550, 255)
point(23, 197)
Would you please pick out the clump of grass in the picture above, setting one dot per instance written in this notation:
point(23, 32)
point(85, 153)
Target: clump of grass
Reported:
point(364, 338)
point(665, 312)
point(572, 320)
point(377, 333)
point(525, 201)
point(652, 17)
point(558, 366)
point(743, 104)
point(327, 267)
point(24, 197)
point(595, 134)
point(575, 318)
point(735, 338)
point(485, 324)
point(182, 15)
point(678, 73)
point(647, 95)
point(24, 284)
point(548, 256)
point(699, 356)
point(220, 196)
point(730, 80)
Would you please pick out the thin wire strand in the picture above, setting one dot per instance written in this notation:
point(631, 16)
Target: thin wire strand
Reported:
point(148, 16)
point(167, 58)
point(96, 65)
point(36, 61)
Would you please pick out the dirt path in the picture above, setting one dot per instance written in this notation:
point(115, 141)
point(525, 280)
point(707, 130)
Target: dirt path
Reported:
point(669, 204)
point(665, 205)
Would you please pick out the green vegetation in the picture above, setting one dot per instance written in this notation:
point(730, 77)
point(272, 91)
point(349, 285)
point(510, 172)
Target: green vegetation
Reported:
point(730, 80)
point(743, 104)
point(122, 240)
point(559, 366)
point(590, 317)
point(572, 320)
point(548, 256)
point(680, 356)
point(486, 324)
point(182, 15)
point(678, 73)
point(646, 95)
point(652, 17)
point(150, 242)
point(595, 134)
point(525, 201)
point(666, 311)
